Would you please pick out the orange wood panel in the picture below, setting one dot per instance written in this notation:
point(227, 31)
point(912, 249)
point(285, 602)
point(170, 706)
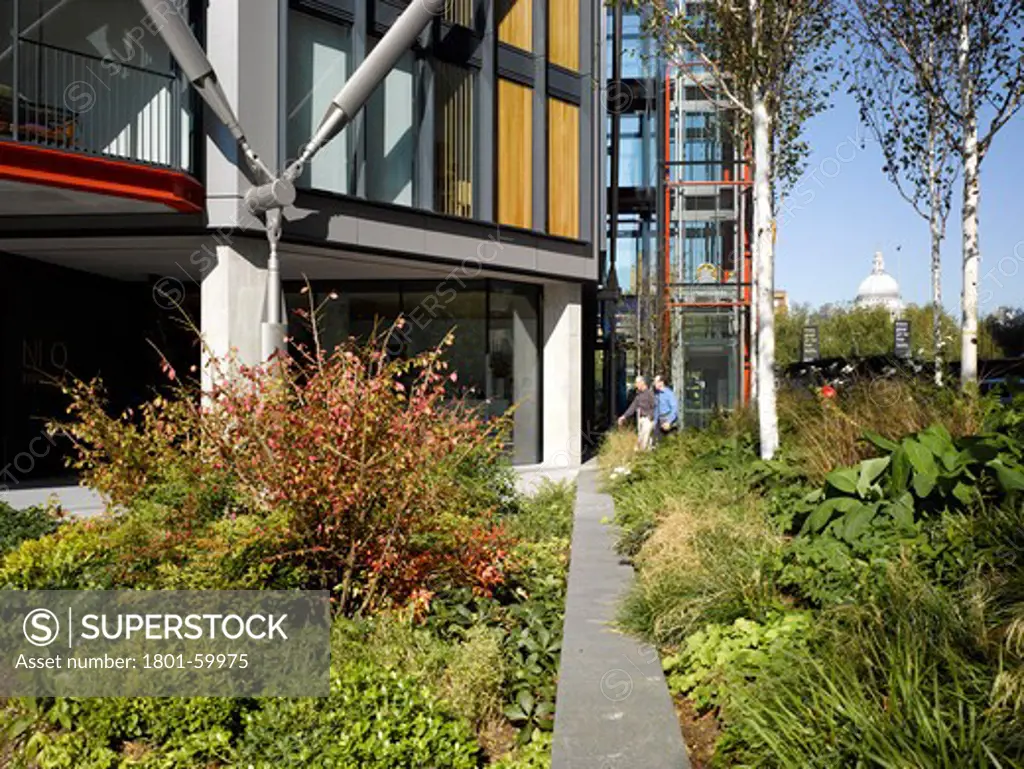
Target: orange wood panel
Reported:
point(564, 33)
point(515, 23)
point(515, 154)
point(563, 169)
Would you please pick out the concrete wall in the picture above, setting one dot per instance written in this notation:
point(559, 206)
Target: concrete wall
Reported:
point(233, 302)
point(242, 45)
point(563, 383)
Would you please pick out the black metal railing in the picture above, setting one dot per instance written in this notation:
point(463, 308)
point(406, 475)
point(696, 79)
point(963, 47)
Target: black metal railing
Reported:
point(96, 106)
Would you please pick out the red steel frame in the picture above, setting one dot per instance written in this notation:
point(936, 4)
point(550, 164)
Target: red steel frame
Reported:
point(744, 290)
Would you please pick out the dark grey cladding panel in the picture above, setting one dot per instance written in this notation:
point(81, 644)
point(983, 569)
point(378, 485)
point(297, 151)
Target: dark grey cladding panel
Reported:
point(383, 15)
point(566, 85)
point(515, 64)
point(410, 233)
point(343, 10)
point(458, 45)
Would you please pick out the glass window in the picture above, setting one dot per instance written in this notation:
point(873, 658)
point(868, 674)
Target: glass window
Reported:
point(391, 128)
point(513, 368)
point(453, 140)
point(464, 314)
point(496, 349)
point(319, 58)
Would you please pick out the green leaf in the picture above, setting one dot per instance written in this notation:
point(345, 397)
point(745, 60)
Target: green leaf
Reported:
point(921, 457)
point(902, 511)
point(937, 439)
point(857, 522)
point(820, 518)
point(525, 700)
point(963, 492)
point(515, 714)
point(924, 483)
point(951, 459)
point(900, 475)
point(1010, 478)
point(870, 469)
point(880, 441)
point(844, 479)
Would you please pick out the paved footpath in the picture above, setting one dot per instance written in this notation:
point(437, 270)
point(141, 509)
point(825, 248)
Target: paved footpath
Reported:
point(614, 710)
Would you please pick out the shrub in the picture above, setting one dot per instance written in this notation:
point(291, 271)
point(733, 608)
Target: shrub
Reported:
point(473, 680)
point(114, 732)
point(374, 718)
point(714, 657)
point(79, 556)
point(18, 525)
point(391, 487)
point(546, 514)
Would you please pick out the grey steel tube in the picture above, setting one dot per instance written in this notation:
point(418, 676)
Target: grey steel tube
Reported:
point(375, 67)
point(185, 49)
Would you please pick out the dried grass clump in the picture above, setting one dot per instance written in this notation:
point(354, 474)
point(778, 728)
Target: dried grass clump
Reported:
point(829, 433)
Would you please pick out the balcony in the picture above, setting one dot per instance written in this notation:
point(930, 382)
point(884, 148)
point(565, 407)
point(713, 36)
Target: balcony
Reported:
point(110, 131)
point(73, 101)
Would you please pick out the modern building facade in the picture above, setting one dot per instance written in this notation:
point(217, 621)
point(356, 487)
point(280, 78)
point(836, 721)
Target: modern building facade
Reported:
point(683, 228)
point(466, 195)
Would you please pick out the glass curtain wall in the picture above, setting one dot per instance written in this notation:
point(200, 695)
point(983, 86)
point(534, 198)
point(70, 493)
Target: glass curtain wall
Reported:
point(319, 62)
point(496, 328)
point(453, 139)
point(391, 127)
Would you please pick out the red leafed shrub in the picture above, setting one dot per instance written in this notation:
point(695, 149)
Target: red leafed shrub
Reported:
point(366, 453)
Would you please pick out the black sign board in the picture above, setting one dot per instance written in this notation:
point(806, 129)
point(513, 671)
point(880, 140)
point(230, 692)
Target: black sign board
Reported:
point(810, 349)
point(901, 343)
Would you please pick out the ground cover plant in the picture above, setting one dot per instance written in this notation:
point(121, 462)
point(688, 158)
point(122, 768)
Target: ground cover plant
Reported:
point(346, 470)
point(858, 601)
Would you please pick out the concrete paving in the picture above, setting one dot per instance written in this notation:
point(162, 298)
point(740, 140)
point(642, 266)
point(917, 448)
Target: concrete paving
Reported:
point(613, 710)
point(84, 502)
point(531, 476)
point(76, 500)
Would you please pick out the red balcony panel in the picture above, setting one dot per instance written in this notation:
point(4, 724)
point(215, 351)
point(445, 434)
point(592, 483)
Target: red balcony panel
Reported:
point(176, 190)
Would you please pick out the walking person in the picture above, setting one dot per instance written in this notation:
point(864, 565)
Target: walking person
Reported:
point(644, 406)
point(668, 408)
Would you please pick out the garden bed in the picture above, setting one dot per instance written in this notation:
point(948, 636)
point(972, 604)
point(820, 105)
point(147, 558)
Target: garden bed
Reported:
point(349, 472)
point(856, 601)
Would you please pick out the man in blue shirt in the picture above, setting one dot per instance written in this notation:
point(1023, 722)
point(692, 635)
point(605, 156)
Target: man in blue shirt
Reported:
point(667, 408)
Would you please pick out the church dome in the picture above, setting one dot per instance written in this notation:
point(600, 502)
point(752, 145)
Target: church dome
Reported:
point(879, 289)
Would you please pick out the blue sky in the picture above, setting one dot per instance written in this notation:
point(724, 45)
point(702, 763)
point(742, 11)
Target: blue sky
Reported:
point(825, 244)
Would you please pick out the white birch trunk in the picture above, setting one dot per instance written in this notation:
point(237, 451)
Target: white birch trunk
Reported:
point(969, 221)
point(755, 374)
point(936, 226)
point(764, 254)
point(936, 232)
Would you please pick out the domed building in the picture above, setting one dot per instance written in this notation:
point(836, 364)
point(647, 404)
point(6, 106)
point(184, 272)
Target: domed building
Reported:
point(880, 289)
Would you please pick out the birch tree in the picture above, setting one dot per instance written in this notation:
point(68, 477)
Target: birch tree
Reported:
point(766, 58)
point(898, 104)
point(990, 71)
point(977, 96)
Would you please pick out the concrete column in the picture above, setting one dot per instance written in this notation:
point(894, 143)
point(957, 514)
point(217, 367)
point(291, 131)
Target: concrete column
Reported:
point(233, 300)
point(563, 381)
point(242, 39)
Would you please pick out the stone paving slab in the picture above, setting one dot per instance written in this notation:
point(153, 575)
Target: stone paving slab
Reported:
point(76, 500)
point(613, 710)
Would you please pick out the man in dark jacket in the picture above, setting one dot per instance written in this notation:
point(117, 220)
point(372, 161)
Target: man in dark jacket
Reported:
point(644, 405)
